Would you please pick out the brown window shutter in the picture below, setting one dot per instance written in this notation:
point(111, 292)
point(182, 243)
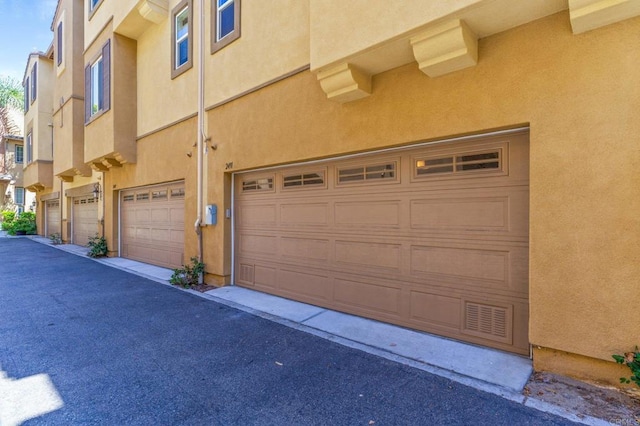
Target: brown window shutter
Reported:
point(34, 81)
point(26, 95)
point(106, 74)
point(59, 43)
point(87, 93)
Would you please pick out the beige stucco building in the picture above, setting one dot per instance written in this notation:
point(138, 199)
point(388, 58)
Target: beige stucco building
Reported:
point(464, 168)
point(13, 196)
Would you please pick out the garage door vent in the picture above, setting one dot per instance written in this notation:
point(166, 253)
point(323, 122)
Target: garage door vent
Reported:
point(459, 163)
point(304, 179)
point(246, 273)
point(366, 173)
point(262, 184)
point(490, 322)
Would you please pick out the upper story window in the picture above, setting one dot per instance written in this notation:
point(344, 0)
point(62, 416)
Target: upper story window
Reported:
point(93, 5)
point(29, 147)
point(26, 95)
point(182, 38)
point(19, 156)
point(97, 81)
point(59, 44)
point(34, 82)
point(97, 86)
point(225, 23)
point(19, 197)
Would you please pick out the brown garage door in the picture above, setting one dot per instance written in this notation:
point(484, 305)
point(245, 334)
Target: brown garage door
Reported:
point(153, 224)
point(433, 238)
point(85, 219)
point(53, 217)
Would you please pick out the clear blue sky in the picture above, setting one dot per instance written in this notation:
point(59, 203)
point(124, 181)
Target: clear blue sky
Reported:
point(25, 26)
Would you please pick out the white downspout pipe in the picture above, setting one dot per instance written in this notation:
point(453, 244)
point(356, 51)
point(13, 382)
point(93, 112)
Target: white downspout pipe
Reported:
point(201, 137)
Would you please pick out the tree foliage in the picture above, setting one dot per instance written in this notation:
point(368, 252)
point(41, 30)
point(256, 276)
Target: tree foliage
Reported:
point(11, 93)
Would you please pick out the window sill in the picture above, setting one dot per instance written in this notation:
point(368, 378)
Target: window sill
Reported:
point(95, 116)
point(184, 68)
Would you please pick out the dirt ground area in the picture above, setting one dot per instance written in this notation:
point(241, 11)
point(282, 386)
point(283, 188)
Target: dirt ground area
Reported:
point(614, 406)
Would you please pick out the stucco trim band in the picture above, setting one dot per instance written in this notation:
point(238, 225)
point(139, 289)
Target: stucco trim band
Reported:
point(586, 15)
point(258, 87)
point(79, 191)
point(50, 196)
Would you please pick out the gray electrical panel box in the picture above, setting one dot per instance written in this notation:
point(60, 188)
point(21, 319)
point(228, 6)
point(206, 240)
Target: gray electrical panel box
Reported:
point(211, 216)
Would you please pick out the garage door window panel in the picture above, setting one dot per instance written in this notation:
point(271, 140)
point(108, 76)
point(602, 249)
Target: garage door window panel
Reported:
point(368, 173)
point(456, 165)
point(159, 195)
point(262, 184)
point(306, 180)
point(177, 193)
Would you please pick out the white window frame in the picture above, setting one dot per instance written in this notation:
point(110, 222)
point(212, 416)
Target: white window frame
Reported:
point(179, 39)
point(219, 10)
point(97, 86)
point(218, 42)
point(177, 68)
point(15, 158)
point(18, 190)
point(93, 5)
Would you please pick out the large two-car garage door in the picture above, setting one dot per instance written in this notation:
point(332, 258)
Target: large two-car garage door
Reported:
point(434, 237)
point(152, 224)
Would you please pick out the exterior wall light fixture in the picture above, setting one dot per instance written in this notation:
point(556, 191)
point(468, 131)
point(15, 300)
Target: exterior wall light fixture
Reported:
point(96, 190)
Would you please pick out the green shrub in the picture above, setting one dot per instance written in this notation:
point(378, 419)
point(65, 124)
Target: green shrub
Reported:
point(8, 217)
point(631, 360)
point(25, 223)
point(97, 247)
point(188, 275)
point(55, 238)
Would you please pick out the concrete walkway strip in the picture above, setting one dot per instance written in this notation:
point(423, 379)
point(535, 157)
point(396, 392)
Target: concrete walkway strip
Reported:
point(484, 364)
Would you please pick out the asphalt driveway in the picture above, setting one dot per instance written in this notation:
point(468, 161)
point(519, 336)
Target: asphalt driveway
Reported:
point(119, 349)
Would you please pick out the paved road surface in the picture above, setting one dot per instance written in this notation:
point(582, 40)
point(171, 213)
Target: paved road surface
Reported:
point(83, 343)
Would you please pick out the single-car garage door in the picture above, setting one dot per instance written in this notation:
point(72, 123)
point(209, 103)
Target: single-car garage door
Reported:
point(53, 217)
point(85, 219)
point(434, 237)
point(153, 224)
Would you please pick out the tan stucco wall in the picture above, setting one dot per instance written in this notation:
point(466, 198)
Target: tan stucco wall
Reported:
point(69, 74)
point(162, 100)
point(584, 158)
point(266, 49)
point(68, 137)
point(113, 131)
point(39, 115)
point(598, 371)
point(68, 92)
point(248, 62)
